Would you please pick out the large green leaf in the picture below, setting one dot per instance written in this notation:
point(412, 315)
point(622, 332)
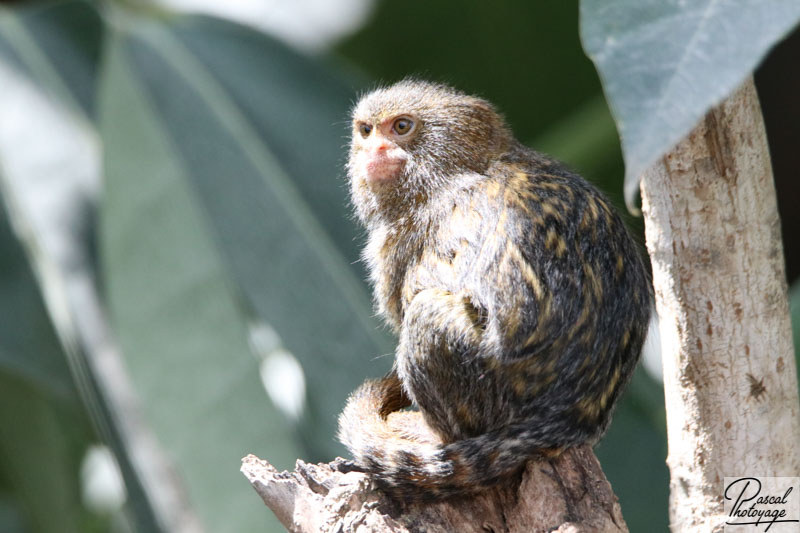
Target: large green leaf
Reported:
point(664, 63)
point(37, 438)
point(258, 131)
point(29, 348)
point(184, 339)
point(297, 110)
point(205, 232)
point(50, 177)
point(57, 46)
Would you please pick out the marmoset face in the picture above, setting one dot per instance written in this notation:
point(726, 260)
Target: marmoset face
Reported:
point(414, 139)
point(380, 147)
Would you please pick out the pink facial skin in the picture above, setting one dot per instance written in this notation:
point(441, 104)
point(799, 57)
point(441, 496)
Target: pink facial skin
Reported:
point(381, 158)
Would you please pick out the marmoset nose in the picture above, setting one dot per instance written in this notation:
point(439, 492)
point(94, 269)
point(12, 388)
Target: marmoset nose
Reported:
point(378, 144)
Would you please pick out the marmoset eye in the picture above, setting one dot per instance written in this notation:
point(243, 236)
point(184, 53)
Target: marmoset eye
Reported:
point(403, 126)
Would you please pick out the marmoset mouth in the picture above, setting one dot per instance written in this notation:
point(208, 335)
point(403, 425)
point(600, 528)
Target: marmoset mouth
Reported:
point(384, 168)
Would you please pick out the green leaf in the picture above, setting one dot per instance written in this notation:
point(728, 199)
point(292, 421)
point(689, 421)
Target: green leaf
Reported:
point(29, 348)
point(198, 216)
point(37, 440)
point(297, 109)
point(57, 46)
point(50, 179)
point(40, 447)
point(258, 132)
point(663, 64)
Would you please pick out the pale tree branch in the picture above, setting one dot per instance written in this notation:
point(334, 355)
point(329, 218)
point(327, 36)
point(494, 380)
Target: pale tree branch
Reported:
point(714, 240)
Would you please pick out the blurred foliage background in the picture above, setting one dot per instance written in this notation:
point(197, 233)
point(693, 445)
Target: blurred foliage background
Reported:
point(179, 275)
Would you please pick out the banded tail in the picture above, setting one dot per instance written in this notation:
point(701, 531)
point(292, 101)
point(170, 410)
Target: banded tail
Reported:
point(411, 463)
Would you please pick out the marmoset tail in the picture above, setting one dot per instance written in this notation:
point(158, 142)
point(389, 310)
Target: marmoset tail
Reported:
point(519, 298)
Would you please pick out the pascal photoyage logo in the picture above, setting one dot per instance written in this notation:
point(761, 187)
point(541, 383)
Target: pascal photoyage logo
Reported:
point(762, 504)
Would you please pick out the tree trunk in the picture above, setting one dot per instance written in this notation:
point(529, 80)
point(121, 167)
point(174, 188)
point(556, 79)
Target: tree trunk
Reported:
point(569, 494)
point(713, 235)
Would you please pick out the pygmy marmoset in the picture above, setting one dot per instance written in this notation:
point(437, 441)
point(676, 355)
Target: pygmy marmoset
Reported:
point(519, 298)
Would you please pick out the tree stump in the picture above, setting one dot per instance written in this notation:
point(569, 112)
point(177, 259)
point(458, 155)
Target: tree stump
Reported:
point(566, 494)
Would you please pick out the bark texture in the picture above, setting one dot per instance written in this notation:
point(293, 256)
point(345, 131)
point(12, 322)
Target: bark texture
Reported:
point(567, 494)
point(713, 235)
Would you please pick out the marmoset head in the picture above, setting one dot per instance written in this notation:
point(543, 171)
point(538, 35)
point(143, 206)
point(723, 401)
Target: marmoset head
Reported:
point(414, 137)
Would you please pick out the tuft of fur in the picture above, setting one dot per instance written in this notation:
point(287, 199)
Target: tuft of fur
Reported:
point(520, 301)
